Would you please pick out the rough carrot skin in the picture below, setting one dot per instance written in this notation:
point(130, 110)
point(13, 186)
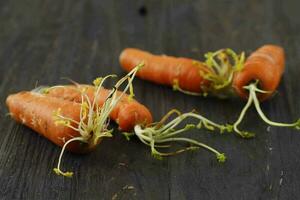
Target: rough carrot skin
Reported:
point(266, 65)
point(164, 69)
point(127, 113)
point(36, 111)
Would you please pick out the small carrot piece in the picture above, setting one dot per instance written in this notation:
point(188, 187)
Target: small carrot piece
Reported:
point(36, 111)
point(127, 112)
point(187, 73)
point(266, 65)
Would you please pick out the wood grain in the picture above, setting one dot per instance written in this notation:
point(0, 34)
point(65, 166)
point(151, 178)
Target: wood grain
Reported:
point(43, 41)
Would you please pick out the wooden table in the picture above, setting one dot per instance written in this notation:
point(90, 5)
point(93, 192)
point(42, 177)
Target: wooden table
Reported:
point(43, 41)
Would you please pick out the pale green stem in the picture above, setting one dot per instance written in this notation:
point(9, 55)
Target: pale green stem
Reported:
point(191, 141)
point(241, 117)
point(57, 170)
point(262, 115)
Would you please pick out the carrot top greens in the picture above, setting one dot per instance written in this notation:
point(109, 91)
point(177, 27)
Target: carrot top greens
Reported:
point(222, 65)
point(159, 135)
point(252, 99)
point(94, 119)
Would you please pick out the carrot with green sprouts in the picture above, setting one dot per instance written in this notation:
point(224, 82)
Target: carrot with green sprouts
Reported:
point(223, 74)
point(77, 127)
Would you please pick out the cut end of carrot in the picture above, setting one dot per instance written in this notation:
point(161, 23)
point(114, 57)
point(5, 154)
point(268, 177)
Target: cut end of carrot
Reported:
point(266, 65)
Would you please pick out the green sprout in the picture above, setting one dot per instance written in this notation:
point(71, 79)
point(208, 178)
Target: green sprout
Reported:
point(94, 119)
point(161, 134)
point(252, 99)
point(222, 65)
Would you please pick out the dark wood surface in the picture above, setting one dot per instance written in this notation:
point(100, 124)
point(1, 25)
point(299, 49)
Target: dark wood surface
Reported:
point(42, 41)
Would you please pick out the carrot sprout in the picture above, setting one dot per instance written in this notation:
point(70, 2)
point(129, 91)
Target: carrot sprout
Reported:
point(57, 170)
point(252, 99)
point(222, 65)
point(94, 120)
point(159, 134)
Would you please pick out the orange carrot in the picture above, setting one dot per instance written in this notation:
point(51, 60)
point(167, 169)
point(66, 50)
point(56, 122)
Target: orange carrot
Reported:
point(75, 126)
point(166, 70)
point(266, 65)
point(223, 74)
point(127, 113)
point(36, 111)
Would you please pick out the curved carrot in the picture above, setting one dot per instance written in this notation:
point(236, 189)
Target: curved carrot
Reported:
point(266, 65)
point(224, 73)
point(36, 111)
point(127, 112)
point(166, 70)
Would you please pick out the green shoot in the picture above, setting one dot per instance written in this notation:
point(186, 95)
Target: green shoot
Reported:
point(94, 120)
point(164, 133)
point(252, 99)
point(222, 65)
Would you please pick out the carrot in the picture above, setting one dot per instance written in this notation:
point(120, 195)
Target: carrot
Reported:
point(258, 80)
point(36, 111)
point(77, 127)
point(265, 65)
point(127, 112)
point(58, 120)
point(166, 70)
point(224, 73)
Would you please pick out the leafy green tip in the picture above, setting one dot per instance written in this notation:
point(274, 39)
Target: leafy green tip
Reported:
point(127, 135)
point(221, 157)
point(156, 155)
point(66, 174)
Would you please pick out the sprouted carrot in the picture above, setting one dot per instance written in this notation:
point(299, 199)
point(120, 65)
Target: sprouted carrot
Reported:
point(78, 127)
point(258, 81)
point(224, 73)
